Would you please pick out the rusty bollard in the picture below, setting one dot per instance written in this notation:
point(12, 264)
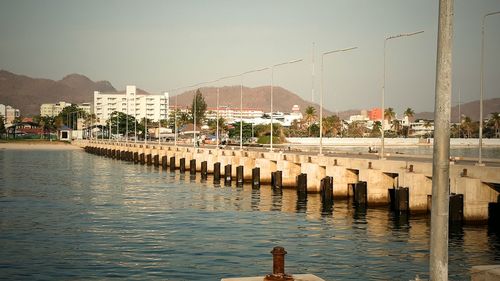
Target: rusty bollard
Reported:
point(278, 266)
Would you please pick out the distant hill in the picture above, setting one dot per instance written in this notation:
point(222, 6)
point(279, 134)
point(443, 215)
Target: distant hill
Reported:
point(257, 98)
point(27, 94)
point(470, 109)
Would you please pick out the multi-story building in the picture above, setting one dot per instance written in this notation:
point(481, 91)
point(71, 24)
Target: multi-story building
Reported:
point(375, 114)
point(9, 113)
point(153, 107)
point(53, 109)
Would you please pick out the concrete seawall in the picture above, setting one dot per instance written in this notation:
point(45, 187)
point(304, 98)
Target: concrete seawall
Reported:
point(478, 185)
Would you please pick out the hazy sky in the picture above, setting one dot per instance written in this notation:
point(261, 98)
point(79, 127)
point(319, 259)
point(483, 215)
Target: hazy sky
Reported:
point(160, 45)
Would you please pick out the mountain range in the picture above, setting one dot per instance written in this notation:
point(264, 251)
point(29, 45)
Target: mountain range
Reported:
point(27, 94)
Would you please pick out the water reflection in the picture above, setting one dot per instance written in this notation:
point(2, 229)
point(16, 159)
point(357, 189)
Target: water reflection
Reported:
point(102, 218)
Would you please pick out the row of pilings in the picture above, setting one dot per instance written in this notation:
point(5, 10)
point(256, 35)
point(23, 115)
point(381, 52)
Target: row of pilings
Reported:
point(169, 164)
point(399, 197)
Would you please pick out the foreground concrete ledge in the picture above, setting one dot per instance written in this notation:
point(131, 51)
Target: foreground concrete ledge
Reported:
point(485, 273)
point(296, 277)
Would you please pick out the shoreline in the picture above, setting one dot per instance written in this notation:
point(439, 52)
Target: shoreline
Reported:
point(36, 145)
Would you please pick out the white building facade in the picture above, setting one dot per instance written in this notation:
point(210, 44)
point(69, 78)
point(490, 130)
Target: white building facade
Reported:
point(153, 107)
point(9, 113)
point(53, 109)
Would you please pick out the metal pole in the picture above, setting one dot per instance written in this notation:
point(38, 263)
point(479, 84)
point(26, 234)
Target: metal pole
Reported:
point(146, 127)
point(382, 154)
point(321, 96)
point(217, 121)
point(441, 165)
point(135, 117)
point(321, 109)
point(194, 119)
point(175, 122)
point(480, 160)
point(272, 82)
point(313, 73)
point(126, 121)
point(241, 113)
point(117, 124)
point(272, 85)
point(382, 121)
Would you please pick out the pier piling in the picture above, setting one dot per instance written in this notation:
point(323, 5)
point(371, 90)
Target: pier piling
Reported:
point(227, 174)
point(301, 181)
point(239, 175)
point(142, 158)
point(276, 179)
point(192, 167)
point(204, 170)
point(326, 190)
point(256, 178)
point(182, 165)
point(360, 193)
point(149, 160)
point(217, 172)
point(156, 160)
point(164, 162)
point(456, 210)
point(172, 164)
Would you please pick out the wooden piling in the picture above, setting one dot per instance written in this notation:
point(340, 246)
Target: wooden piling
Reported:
point(204, 170)
point(172, 164)
point(227, 174)
point(192, 167)
point(256, 178)
point(217, 172)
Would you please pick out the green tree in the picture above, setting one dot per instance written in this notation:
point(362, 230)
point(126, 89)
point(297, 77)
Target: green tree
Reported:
point(310, 117)
point(2, 126)
point(409, 113)
point(70, 114)
point(495, 121)
point(376, 129)
point(198, 106)
point(389, 114)
point(406, 128)
point(331, 126)
point(120, 118)
point(356, 129)
point(246, 133)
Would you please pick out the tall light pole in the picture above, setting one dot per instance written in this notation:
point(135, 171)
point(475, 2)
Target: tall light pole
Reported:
point(135, 117)
point(480, 159)
point(438, 258)
point(321, 97)
point(382, 154)
point(241, 101)
point(272, 86)
point(126, 121)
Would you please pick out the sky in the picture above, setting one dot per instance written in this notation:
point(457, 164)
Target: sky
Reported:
point(163, 45)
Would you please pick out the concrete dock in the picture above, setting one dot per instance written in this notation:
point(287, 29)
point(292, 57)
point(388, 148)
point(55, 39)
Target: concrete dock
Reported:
point(479, 185)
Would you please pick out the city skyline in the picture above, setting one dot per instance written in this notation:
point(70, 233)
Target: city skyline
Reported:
point(160, 45)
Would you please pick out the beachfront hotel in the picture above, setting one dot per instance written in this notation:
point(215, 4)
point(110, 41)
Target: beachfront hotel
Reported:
point(139, 105)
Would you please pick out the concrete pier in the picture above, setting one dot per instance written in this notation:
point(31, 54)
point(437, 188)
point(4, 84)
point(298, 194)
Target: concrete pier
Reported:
point(478, 185)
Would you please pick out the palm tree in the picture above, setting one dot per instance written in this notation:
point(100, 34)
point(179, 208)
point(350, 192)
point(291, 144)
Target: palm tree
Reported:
point(409, 113)
point(495, 119)
point(389, 114)
point(310, 117)
point(467, 126)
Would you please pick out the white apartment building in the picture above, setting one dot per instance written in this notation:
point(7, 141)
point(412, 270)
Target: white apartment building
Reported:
point(53, 109)
point(232, 114)
point(9, 113)
point(153, 107)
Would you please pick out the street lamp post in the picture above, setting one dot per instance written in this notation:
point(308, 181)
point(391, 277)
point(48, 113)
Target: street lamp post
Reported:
point(241, 102)
point(382, 154)
point(321, 97)
point(272, 86)
point(480, 159)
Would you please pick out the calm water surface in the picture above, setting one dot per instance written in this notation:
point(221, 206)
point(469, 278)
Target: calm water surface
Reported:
point(71, 215)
